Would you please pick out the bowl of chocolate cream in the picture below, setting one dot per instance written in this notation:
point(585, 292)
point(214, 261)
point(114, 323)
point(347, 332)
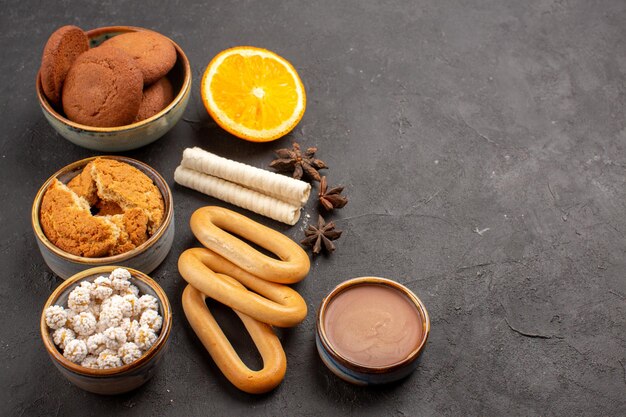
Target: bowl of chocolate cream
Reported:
point(371, 330)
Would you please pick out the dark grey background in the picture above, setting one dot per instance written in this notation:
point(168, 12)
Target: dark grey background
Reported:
point(443, 119)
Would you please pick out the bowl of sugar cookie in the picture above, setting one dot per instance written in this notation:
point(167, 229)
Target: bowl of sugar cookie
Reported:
point(112, 89)
point(104, 210)
point(106, 329)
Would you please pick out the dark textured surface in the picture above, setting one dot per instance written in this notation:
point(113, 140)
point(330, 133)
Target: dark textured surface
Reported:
point(482, 145)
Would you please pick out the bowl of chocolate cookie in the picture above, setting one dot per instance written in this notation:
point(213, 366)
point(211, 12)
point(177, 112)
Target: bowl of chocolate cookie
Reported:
point(100, 211)
point(112, 89)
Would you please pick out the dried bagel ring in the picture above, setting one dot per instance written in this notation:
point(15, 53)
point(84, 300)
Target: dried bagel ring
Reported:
point(270, 303)
point(211, 225)
point(222, 352)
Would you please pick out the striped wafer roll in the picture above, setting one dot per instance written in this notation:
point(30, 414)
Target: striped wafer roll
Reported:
point(289, 190)
point(238, 195)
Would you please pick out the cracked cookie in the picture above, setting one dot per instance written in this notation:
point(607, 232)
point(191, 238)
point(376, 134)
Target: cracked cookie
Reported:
point(109, 208)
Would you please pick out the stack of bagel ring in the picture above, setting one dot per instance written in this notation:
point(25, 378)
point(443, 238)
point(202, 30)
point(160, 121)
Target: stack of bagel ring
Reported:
point(251, 283)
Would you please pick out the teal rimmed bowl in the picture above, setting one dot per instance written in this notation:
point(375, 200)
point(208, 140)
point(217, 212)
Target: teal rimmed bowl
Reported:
point(123, 138)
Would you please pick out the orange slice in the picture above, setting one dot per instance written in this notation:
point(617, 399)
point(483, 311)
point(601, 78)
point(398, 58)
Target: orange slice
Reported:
point(253, 93)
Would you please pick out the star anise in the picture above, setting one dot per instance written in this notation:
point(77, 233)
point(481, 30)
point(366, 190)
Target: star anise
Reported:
point(321, 235)
point(292, 160)
point(331, 199)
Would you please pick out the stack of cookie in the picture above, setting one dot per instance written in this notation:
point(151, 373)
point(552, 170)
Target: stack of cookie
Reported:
point(120, 82)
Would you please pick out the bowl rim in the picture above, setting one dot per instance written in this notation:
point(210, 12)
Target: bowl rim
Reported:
point(43, 101)
point(168, 202)
point(147, 356)
point(359, 281)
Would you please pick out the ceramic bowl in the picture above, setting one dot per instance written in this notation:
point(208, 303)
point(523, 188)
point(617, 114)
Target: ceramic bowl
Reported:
point(115, 380)
point(353, 372)
point(123, 138)
point(145, 257)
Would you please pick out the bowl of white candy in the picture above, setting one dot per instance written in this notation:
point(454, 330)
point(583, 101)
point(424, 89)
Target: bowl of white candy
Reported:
point(106, 328)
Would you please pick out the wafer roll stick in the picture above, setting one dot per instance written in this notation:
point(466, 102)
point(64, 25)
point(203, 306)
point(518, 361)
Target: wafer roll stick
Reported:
point(238, 195)
point(290, 190)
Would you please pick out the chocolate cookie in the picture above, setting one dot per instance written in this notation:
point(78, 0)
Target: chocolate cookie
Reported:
point(155, 98)
point(103, 88)
point(60, 52)
point(153, 53)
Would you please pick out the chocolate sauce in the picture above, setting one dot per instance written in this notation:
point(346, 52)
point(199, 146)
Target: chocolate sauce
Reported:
point(373, 325)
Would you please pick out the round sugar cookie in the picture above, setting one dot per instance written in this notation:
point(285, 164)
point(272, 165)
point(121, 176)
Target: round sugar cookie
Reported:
point(103, 88)
point(153, 53)
point(60, 52)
